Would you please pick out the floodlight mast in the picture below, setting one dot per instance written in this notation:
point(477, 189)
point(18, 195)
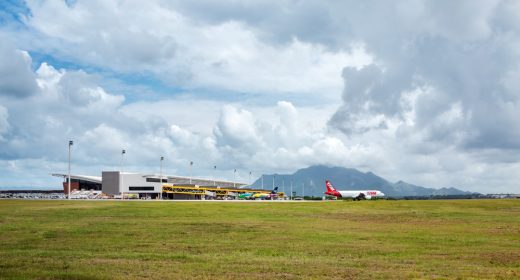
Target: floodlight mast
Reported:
point(214, 175)
point(234, 178)
point(191, 164)
point(160, 179)
point(68, 183)
point(283, 185)
point(291, 198)
point(123, 152)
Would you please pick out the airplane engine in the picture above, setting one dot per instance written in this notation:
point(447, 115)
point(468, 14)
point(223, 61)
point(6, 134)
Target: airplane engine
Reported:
point(368, 197)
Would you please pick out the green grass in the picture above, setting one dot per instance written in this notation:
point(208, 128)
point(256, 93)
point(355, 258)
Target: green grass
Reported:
point(455, 239)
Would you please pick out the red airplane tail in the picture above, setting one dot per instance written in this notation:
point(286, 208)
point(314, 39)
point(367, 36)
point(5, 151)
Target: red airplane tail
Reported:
point(330, 189)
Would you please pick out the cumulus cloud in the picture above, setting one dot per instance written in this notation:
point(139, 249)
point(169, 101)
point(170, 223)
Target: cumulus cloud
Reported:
point(463, 60)
point(282, 141)
point(70, 104)
point(441, 87)
point(237, 128)
point(104, 139)
point(16, 76)
point(4, 124)
point(89, 95)
point(188, 52)
point(425, 91)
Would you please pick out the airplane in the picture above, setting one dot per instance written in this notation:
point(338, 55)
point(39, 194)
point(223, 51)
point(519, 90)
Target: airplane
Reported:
point(264, 196)
point(356, 195)
point(245, 196)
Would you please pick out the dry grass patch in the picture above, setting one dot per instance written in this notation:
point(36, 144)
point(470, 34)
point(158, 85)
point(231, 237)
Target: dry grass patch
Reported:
point(197, 240)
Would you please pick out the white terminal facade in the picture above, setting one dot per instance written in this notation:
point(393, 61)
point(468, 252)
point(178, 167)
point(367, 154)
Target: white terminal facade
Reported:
point(116, 183)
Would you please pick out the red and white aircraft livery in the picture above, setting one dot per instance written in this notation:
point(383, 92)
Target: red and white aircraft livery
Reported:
point(353, 194)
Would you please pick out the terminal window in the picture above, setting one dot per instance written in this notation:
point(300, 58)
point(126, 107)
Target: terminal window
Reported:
point(141, 188)
point(156, 180)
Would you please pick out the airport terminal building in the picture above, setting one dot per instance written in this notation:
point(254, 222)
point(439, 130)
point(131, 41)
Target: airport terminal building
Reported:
point(118, 184)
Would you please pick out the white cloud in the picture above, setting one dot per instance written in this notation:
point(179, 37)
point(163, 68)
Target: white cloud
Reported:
point(103, 140)
point(72, 105)
point(4, 124)
point(16, 77)
point(281, 141)
point(186, 52)
point(237, 128)
point(430, 89)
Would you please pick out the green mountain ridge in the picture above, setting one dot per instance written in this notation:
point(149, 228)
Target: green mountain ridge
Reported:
point(311, 181)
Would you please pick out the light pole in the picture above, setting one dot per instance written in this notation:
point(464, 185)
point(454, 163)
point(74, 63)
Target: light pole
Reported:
point(191, 164)
point(68, 183)
point(160, 179)
point(291, 191)
point(303, 190)
point(123, 152)
point(234, 178)
point(283, 185)
point(214, 175)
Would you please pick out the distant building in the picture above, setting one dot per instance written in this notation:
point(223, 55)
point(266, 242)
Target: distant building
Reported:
point(80, 182)
point(115, 183)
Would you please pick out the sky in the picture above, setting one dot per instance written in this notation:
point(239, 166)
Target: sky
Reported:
point(427, 92)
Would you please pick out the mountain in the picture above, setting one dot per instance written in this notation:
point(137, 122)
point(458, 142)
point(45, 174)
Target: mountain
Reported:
point(311, 181)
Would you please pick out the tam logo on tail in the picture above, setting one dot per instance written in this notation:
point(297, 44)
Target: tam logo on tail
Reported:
point(331, 190)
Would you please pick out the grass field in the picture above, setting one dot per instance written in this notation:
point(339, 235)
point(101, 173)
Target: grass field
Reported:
point(323, 240)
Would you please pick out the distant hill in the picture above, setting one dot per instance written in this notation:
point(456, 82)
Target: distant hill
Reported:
point(313, 178)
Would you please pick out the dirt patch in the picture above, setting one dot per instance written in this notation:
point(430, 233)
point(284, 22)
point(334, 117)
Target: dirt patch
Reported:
point(502, 258)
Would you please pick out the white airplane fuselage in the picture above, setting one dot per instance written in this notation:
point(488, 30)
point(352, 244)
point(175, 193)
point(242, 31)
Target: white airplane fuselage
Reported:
point(367, 193)
point(361, 194)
